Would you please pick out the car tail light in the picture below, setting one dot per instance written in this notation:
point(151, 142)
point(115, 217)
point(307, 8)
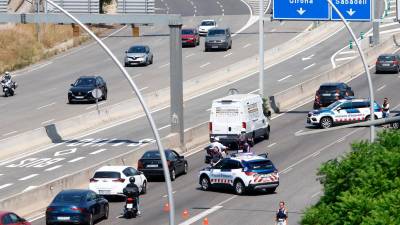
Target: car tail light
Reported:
point(74, 208)
point(119, 180)
point(129, 200)
point(396, 62)
point(92, 180)
point(210, 126)
point(377, 62)
point(249, 173)
point(140, 165)
point(244, 125)
point(49, 209)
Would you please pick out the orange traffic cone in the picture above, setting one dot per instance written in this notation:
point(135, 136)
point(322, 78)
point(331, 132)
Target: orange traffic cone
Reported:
point(205, 221)
point(185, 214)
point(166, 207)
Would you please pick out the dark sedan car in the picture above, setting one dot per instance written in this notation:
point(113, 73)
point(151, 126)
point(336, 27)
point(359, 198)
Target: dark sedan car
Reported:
point(329, 93)
point(190, 37)
point(84, 89)
point(388, 63)
point(9, 218)
point(77, 207)
point(150, 164)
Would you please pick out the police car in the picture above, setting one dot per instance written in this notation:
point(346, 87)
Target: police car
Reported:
point(242, 172)
point(343, 111)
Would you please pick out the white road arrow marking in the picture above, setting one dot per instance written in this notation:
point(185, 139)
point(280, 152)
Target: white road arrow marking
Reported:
point(351, 12)
point(301, 11)
point(307, 58)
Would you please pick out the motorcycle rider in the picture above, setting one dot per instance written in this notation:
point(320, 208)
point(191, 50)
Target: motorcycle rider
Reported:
point(217, 144)
point(7, 78)
point(132, 191)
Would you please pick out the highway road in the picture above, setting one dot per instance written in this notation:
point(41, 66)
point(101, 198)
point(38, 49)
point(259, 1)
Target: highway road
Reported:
point(297, 158)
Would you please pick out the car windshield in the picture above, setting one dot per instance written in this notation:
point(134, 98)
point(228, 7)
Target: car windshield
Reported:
point(187, 32)
point(259, 165)
point(107, 174)
point(68, 198)
point(137, 49)
point(151, 155)
point(386, 58)
point(328, 88)
point(333, 105)
point(207, 23)
point(85, 82)
point(216, 32)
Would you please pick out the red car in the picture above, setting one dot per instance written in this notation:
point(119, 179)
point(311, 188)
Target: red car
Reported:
point(190, 37)
point(9, 218)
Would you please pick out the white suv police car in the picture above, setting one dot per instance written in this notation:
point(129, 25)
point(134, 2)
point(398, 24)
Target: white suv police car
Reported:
point(343, 111)
point(242, 172)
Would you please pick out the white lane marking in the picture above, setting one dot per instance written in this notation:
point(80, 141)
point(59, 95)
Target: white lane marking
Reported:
point(143, 88)
point(94, 106)
point(5, 185)
point(137, 75)
point(269, 146)
point(205, 64)
point(388, 24)
point(119, 143)
point(247, 45)
point(48, 90)
point(166, 126)
point(29, 188)
point(190, 55)
point(381, 88)
point(1, 174)
point(44, 106)
point(308, 67)
point(39, 67)
point(287, 170)
point(48, 121)
point(12, 132)
point(316, 154)
point(345, 58)
point(98, 151)
point(53, 168)
point(228, 54)
point(164, 196)
point(76, 159)
point(252, 92)
point(347, 52)
point(307, 58)
point(282, 79)
point(28, 177)
point(162, 66)
point(316, 194)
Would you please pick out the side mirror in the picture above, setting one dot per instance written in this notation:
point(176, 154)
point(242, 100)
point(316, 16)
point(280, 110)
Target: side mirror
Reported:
point(72, 85)
point(338, 109)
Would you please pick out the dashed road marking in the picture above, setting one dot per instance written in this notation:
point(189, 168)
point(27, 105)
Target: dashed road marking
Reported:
point(205, 64)
point(190, 55)
point(1, 174)
point(137, 75)
point(166, 126)
point(9, 133)
point(162, 66)
point(381, 88)
point(143, 88)
point(297, 132)
point(269, 146)
point(28, 177)
point(282, 79)
point(76, 159)
point(316, 194)
point(229, 54)
point(98, 151)
point(247, 45)
point(308, 67)
point(53, 168)
point(5, 185)
point(167, 195)
point(44, 106)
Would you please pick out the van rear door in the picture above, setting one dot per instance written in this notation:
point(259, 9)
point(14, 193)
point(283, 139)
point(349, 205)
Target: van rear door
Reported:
point(225, 117)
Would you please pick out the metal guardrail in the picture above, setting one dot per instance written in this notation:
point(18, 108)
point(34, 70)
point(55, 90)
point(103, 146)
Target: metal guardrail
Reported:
point(76, 6)
point(136, 6)
point(3, 6)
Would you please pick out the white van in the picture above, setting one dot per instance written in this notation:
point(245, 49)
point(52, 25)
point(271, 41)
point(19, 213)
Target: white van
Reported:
point(232, 113)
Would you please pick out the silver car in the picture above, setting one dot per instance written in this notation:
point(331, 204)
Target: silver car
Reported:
point(138, 55)
point(218, 38)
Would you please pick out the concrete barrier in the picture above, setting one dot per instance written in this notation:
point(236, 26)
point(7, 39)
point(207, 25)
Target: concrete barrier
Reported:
point(42, 196)
point(286, 99)
point(71, 127)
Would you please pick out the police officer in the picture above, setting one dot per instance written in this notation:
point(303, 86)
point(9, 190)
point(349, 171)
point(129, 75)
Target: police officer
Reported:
point(132, 191)
point(386, 108)
point(282, 214)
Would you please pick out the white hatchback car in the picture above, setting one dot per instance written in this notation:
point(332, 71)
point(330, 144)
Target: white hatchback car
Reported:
point(206, 25)
point(111, 180)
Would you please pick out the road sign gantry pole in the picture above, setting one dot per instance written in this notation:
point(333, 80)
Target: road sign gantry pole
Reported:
point(142, 102)
point(371, 90)
point(261, 47)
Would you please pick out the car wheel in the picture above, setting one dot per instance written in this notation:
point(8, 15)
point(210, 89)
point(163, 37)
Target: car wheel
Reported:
point(91, 221)
point(106, 212)
point(230, 46)
point(266, 134)
point(173, 174)
point(151, 61)
point(144, 188)
point(239, 187)
point(326, 122)
point(206, 49)
point(126, 65)
point(185, 169)
point(205, 183)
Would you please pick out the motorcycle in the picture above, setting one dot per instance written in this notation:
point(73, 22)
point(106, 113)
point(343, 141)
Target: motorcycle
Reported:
point(212, 156)
point(8, 87)
point(131, 209)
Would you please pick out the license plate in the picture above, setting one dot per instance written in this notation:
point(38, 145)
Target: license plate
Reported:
point(129, 206)
point(104, 192)
point(79, 97)
point(63, 218)
point(214, 46)
point(152, 166)
point(326, 94)
point(385, 64)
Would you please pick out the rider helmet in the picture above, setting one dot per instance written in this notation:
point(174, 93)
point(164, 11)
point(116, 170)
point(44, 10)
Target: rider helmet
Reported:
point(132, 180)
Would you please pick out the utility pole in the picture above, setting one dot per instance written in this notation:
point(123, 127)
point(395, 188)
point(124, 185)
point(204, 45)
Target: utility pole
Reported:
point(261, 47)
point(375, 24)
